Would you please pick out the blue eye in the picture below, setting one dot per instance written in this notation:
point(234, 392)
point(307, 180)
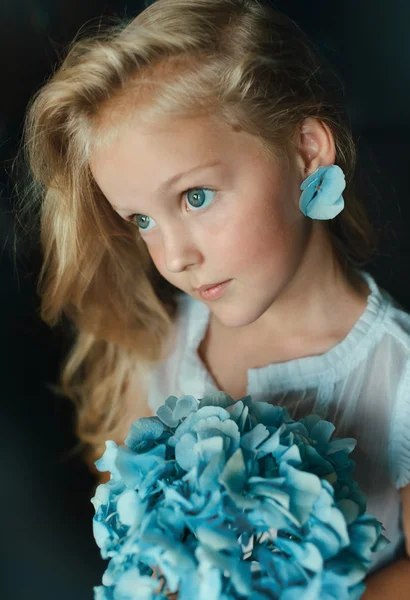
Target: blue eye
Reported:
point(134, 219)
point(198, 199)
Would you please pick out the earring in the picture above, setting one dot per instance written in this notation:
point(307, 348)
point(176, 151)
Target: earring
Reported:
point(321, 197)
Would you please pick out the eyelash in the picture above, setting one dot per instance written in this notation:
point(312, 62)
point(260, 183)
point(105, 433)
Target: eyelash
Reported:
point(131, 217)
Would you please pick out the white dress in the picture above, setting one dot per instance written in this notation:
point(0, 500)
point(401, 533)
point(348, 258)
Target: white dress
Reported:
point(362, 385)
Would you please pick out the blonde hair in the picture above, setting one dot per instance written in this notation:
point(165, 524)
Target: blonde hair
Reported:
point(239, 59)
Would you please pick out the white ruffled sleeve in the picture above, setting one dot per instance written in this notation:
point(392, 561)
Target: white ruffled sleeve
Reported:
point(400, 432)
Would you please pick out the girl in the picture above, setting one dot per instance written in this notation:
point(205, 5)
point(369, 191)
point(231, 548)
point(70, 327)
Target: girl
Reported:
point(169, 154)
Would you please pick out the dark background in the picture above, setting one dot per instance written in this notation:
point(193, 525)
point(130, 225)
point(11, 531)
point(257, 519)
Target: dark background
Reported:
point(46, 514)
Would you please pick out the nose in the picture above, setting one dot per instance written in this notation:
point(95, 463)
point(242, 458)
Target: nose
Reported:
point(179, 249)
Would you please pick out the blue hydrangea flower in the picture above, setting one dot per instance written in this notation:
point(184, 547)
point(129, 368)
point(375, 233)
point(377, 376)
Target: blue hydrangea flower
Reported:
point(227, 500)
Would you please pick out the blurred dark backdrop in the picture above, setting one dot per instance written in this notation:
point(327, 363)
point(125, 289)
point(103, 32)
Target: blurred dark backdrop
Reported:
point(45, 493)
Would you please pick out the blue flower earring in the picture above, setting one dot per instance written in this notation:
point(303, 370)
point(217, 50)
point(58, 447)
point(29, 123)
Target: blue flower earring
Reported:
point(321, 197)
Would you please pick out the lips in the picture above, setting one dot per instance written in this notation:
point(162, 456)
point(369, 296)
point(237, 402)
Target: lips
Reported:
point(216, 291)
point(211, 285)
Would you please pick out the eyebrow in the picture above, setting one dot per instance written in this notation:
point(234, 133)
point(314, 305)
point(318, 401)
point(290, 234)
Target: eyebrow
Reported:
point(172, 181)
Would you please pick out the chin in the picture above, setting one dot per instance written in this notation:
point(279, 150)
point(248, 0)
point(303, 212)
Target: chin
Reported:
point(238, 316)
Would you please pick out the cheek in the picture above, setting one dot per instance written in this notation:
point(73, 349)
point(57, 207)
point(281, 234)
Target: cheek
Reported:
point(156, 257)
point(264, 245)
point(258, 237)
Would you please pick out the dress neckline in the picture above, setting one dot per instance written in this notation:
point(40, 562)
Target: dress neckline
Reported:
point(351, 348)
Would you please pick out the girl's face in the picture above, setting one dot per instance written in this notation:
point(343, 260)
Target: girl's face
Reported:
point(233, 213)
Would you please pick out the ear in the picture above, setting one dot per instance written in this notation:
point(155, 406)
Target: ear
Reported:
point(315, 146)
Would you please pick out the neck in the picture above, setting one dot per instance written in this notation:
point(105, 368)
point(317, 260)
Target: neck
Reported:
point(321, 301)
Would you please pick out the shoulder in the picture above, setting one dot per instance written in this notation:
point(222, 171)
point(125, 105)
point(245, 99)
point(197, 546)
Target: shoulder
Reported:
point(400, 428)
point(389, 335)
point(393, 317)
point(390, 369)
point(397, 322)
point(381, 340)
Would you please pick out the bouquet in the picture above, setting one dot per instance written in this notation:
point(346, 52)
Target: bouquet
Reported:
point(216, 499)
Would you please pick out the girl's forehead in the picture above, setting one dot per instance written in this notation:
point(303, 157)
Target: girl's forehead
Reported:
point(111, 133)
point(199, 136)
point(112, 124)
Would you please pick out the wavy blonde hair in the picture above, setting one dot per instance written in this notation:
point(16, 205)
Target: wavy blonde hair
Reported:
point(241, 60)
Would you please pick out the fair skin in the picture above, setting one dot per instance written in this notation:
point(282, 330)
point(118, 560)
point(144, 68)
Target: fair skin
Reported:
point(287, 293)
point(285, 279)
